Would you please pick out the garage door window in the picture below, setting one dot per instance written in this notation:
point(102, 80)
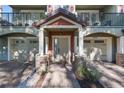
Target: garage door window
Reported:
point(99, 41)
point(86, 41)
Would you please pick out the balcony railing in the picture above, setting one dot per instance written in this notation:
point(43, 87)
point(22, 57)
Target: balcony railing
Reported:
point(102, 19)
point(29, 19)
point(20, 19)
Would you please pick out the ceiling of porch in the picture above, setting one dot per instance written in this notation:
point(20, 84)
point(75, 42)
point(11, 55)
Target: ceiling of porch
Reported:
point(60, 29)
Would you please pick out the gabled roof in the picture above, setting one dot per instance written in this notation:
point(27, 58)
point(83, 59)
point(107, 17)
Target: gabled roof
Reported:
point(61, 12)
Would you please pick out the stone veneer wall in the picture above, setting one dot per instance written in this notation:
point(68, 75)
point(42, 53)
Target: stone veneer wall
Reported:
point(120, 59)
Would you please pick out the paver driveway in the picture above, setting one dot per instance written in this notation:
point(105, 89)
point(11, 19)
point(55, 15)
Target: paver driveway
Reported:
point(12, 73)
point(60, 77)
point(112, 74)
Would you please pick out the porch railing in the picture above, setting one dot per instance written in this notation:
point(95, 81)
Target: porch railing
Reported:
point(102, 19)
point(94, 19)
point(20, 19)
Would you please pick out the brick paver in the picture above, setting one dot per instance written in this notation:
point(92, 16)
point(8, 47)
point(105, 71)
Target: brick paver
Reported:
point(60, 77)
point(12, 73)
point(112, 75)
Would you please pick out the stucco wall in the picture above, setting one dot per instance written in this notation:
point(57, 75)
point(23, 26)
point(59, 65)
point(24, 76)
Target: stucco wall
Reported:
point(3, 49)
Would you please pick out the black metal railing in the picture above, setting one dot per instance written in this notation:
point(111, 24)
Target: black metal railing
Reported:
point(94, 19)
point(20, 19)
point(102, 19)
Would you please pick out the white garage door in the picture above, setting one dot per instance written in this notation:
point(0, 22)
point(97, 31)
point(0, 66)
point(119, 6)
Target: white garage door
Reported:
point(97, 44)
point(20, 48)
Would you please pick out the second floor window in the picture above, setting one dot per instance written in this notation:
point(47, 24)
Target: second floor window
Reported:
point(120, 8)
point(89, 17)
point(52, 8)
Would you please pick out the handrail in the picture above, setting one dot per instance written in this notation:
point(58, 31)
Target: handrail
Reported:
point(29, 19)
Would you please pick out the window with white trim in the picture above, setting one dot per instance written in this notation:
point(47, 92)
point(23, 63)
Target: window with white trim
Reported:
point(120, 8)
point(91, 17)
point(52, 8)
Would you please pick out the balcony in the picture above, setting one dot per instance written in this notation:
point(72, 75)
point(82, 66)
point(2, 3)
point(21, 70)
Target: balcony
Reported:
point(102, 19)
point(29, 19)
point(111, 23)
point(20, 19)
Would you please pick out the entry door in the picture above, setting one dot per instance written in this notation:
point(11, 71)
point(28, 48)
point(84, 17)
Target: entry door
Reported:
point(61, 45)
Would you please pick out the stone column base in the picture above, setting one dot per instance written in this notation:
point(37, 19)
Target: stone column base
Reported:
point(120, 59)
point(41, 63)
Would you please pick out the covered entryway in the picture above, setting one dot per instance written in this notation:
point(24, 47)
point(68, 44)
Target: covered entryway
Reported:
point(60, 43)
point(58, 35)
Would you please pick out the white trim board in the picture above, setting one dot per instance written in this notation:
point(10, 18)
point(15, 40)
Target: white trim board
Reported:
point(61, 17)
point(61, 26)
point(8, 49)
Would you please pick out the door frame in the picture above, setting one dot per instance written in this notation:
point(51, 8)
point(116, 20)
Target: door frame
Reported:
point(62, 36)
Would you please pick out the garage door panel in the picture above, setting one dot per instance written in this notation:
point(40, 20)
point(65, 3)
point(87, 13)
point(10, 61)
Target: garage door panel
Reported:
point(20, 48)
point(99, 44)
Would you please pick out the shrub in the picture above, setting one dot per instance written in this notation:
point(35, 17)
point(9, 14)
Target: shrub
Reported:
point(84, 73)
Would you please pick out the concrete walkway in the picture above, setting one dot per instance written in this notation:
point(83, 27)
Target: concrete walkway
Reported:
point(112, 75)
point(60, 77)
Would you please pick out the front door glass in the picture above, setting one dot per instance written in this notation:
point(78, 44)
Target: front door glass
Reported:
point(60, 45)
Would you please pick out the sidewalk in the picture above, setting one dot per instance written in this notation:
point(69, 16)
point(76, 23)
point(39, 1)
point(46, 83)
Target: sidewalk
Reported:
point(60, 77)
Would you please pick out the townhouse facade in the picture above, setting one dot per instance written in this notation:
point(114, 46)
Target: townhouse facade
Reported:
point(62, 30)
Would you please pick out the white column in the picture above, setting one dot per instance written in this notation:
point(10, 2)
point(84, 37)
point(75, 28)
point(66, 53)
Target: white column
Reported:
point(81, 41)
point(118, 45)
point(121, 45)
point(109, 49)
point(75, 44)
point(9, 49)
point(41, 41)
point(46, 45)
